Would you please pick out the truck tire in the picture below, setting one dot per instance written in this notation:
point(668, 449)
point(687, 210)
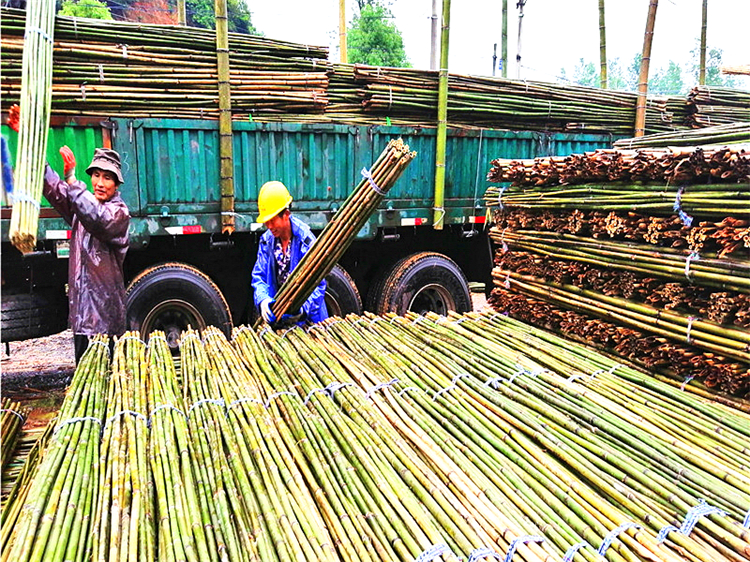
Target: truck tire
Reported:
point(33, 315)
point(172, 297)
point(424, 282)
point(342, 296)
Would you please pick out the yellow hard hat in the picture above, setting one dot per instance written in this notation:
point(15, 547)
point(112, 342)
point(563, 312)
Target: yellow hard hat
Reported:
point(273, 198)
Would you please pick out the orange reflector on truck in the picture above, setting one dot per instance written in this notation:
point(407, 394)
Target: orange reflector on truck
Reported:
point(191, 229)
point(477, 220)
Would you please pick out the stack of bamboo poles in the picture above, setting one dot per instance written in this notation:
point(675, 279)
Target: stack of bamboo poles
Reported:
point(50, 519)
point(341, 230)
point(34, 91)
point(672, 166)
point(510, 104)
point(391, 438)
point(12, 417)
point(658, 275)
point(126, 69)
point(731, 133)
point(713, 105)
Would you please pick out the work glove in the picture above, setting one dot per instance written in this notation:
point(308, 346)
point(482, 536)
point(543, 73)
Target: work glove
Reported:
point(69, 164)
point(265, 310)
point(14, 115)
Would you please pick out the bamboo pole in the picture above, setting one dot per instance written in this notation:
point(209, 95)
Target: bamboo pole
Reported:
point(640, 110)
point(442, 120)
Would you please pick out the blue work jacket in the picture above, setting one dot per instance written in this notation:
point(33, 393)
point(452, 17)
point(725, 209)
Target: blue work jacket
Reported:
point(264, 279)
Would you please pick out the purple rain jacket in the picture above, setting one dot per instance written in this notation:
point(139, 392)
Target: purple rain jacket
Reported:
point(98, 244)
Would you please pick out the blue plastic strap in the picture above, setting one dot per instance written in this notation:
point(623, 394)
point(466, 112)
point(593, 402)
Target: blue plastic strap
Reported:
point(380, 386)
point(691, 319)
point(166, 407)
point(135, 414)
point(500, 205)
point(571, 552)
point(75, 420)
point(99, 342)
point(20, 417)
point(686, 381)
point(686, 219)
point(242, 401)
point(276, 395)
point(701, 509)
point(746, 522)
point(368, 176)
point(693, 256)
point(521, 540)
point(433, 552)
point(664, 531)
point(217, 401)
point(613, 534)
point(458, 377)
point(155, 337)
point(310, 394)
point(519, 372)
point(335, 386)
point(481, 553)
point(494, 382)
point(38, 30)
point(408, 388)
point(134, 338)
point(443, 390)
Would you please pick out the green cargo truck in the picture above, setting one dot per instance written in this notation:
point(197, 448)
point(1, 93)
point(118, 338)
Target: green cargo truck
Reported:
point(182, 270)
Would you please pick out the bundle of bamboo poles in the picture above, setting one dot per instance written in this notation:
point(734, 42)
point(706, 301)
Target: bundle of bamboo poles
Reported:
point(35, 95)
point(718, 134)
point(502, 103)
point(671, 166)
point(713, 105)
point(645, 282)
point(726, 238)
point(389, 438)
point(12, 417)
point(339, 233)
point(54, 520)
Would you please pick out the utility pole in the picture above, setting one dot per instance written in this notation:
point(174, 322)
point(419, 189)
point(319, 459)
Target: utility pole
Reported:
point(520, 4)
point(704, 25)
point(648, 38)
point(434, 36)
point(342, 30)
point(181, 15)
point(602, 47)
point(504, 41)
point(494, 58)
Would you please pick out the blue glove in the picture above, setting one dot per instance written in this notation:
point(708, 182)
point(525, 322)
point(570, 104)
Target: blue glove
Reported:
point(265, 310)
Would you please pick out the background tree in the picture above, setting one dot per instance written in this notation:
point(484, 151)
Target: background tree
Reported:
point(584, 74)
point(200, 13)
point(151, 11)
point(372, 37)
point(667, 82)
point(86, 9)
point(714, 77)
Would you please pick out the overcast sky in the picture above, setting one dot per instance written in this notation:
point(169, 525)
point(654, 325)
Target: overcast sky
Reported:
point(555, 33)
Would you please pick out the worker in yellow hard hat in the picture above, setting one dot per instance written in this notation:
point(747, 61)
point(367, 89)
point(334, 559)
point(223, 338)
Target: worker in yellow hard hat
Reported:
point(281, 248)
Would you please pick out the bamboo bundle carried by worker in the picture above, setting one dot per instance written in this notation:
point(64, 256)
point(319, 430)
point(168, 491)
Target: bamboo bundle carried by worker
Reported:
point(36, 99)
point(340, 232)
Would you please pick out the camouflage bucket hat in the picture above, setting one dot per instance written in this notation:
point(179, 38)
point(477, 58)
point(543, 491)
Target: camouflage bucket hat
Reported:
point(106, 159)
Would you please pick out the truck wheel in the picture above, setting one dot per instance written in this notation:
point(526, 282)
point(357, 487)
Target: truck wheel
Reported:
point(425, 282)
point(342, 296)
point(172, 297)
point(33, 315)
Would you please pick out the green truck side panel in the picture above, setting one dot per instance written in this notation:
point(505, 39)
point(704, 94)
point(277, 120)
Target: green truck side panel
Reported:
point(171, 168)
point(81, 140)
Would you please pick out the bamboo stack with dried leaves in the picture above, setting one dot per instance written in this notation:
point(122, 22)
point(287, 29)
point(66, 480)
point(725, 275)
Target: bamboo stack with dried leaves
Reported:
point(714, 105)
point(632, 267)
